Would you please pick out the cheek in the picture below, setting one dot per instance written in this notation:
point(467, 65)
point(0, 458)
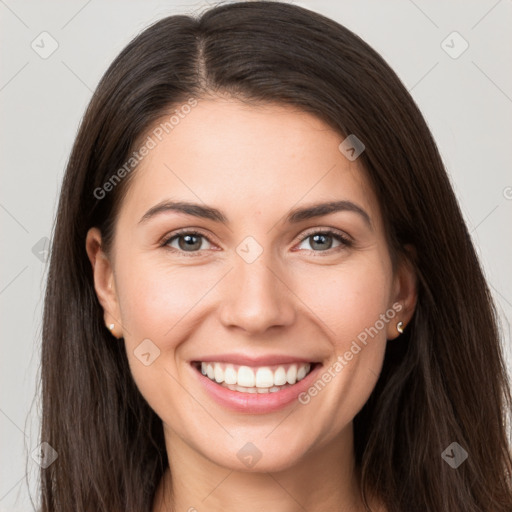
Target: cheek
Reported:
point(349, 304)
point(349, 298)
point(156, 301)
point(155, 297)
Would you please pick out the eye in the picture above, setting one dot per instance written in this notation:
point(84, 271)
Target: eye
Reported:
point(321, 241)
point(190, 242)
point(186, 241)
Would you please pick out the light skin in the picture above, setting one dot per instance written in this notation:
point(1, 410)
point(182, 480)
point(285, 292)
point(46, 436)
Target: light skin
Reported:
point(302, 296)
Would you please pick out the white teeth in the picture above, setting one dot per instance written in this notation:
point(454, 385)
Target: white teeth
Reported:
point(280, 376)
point(291, 374)
point(273, 389)
point(301, 373)
point(246, 377)
point(264, 379)
point(243, 389)
point(230, 375)
point(218, 373)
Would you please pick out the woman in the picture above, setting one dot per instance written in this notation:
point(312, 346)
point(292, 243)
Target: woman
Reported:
point(262, 293)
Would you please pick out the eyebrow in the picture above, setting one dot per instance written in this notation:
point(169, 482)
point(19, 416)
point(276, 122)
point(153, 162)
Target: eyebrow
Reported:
point(293, 217)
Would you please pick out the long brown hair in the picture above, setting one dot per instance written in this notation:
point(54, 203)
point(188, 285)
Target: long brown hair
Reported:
point(443, 381)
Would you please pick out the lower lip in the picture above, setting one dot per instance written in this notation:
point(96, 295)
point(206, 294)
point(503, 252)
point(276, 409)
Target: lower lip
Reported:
point(256, 403)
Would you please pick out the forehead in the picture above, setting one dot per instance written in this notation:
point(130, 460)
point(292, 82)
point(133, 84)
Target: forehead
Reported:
point(245, 158)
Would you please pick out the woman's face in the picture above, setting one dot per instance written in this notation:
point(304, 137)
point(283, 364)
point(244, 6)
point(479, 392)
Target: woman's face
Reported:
point(265, 283)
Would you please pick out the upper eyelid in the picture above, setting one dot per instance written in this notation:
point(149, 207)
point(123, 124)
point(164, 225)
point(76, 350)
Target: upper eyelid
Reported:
point(334, 231)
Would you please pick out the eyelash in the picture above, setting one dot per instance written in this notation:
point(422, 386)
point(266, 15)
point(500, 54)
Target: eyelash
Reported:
point(339, 236)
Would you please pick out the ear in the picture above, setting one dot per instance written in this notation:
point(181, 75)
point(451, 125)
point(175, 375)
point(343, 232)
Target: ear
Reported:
point(405, 293)
point(104, 283)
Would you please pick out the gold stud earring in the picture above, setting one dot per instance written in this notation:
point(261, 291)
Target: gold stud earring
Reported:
point(400, 327)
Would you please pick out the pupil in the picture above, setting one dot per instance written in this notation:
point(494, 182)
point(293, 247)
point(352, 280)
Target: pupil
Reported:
point(321, 240)
point(190, 242)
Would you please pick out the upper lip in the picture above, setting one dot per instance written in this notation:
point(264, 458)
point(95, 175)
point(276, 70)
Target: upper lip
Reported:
point(245, 360)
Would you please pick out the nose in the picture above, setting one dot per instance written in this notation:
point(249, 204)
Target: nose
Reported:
point(255, 297)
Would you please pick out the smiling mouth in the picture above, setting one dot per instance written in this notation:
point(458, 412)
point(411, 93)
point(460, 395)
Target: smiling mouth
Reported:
point(261, 379)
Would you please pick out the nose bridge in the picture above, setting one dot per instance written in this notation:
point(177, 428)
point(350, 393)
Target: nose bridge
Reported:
point(254, 297)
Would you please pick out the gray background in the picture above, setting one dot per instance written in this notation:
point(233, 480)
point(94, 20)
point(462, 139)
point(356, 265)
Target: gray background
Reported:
point(467, 102)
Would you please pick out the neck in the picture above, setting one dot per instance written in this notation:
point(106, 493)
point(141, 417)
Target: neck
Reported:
point(323, 479)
